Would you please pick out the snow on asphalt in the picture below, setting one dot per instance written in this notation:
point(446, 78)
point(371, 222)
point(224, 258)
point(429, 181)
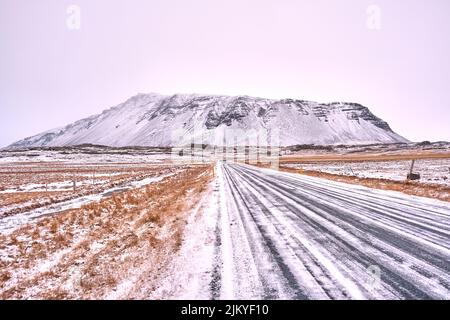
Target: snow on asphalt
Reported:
point(287, 236)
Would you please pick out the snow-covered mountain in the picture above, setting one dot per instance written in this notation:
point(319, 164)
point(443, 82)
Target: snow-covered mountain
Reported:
point(158, 120)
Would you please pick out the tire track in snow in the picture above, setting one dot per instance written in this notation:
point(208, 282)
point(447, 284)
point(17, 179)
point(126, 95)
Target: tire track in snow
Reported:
point(382, 228)
point(408, 289)
point(297, 237)
point(267, 254)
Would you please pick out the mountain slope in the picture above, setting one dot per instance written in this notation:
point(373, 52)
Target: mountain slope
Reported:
point(158, 120)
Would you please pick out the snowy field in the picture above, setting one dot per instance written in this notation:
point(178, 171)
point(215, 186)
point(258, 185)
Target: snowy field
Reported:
point(85, 155)
point(161, 230)
point(121, 222)
point(435, 171)
point(33, 189)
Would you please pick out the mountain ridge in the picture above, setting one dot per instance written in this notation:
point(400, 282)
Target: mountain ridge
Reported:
point(169, 120)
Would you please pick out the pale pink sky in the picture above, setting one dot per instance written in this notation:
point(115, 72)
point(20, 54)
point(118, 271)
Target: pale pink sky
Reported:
point(317, 50)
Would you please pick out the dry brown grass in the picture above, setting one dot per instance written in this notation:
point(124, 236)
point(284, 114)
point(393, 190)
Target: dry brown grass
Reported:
point(439, 192)
point(13, 177)
point(7, 199)
point(105, 241)
point(55, 294)
point(4, 276)
point(362, 157)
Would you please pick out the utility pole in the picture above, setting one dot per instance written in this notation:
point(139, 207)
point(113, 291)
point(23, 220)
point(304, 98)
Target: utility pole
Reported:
point(411, 175)
point(412, 166)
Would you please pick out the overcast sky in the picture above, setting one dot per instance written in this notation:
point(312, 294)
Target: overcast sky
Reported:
point(393, 57)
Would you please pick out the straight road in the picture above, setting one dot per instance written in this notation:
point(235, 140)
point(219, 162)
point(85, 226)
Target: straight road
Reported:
point(282, 235)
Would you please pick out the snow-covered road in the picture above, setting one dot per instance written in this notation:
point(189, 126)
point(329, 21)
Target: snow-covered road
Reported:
point(282, 235)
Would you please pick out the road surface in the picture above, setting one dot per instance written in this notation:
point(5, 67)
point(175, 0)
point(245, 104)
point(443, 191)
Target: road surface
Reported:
point(283, 235)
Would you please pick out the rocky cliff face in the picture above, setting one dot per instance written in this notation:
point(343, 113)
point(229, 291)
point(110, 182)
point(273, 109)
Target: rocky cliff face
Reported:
point(157, 120)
